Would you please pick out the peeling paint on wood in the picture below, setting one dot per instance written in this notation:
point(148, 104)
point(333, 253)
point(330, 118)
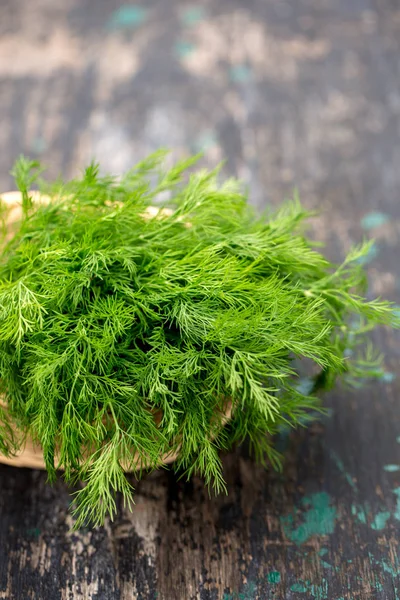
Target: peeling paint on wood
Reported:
point(291, 93)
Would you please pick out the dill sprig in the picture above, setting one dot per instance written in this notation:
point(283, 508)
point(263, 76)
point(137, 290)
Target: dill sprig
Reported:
point(125, 332)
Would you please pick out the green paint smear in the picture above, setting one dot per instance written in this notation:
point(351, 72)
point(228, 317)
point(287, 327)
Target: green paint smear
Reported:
point(389, 569)
point(298, 587)
point(318, 520)
point(35, 532)
point(398, 439)
point(380, 520)
point(128, 16)
point(315, 591)
point(374, 219)
point(319, 592)
point(191, 16)
point(396, 515)
point(359, 512)
point(248, 593)
point(391, 468)
point(274, 577)
point(339, 464)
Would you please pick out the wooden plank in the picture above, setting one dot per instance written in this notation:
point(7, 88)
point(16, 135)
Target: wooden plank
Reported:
point(292, 93)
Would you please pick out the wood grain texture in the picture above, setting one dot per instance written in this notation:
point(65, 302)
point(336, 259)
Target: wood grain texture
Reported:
point(299, 93)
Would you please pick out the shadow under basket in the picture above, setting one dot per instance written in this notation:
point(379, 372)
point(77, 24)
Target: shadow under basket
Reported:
point(30, 455)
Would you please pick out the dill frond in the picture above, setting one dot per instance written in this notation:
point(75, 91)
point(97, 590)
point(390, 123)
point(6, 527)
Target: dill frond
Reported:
point(125, 330)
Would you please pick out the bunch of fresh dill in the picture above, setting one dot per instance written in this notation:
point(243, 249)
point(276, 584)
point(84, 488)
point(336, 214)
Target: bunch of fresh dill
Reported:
point(127, 334)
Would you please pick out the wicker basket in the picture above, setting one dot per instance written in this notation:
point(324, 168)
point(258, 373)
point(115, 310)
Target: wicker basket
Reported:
point(30, 455)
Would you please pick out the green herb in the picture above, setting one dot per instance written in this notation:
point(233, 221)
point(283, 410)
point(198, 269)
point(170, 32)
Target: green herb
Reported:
point(124, 334)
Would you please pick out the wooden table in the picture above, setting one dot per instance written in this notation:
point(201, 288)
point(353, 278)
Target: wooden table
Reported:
point(299, 93)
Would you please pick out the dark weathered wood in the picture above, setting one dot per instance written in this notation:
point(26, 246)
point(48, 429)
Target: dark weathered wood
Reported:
point(292, 92)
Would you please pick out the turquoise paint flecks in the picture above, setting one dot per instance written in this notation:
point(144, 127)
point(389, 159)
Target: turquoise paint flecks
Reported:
point(374, 219)
point(315, 591)
point(396, 514)
point(193, 15)
point(359, 513)
point(339, 464)
point(323, 562)
point(128, 16)
point(389, 568)
point(35, 532)
point(184, 49)
point(298, 587)
point(274, 577)
point(321, 591)
point(248, 592)
point(388, 377)
point(380, 520)
point(370, 256)
point(391, 468)
point(319, 519)
point(240, 73)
